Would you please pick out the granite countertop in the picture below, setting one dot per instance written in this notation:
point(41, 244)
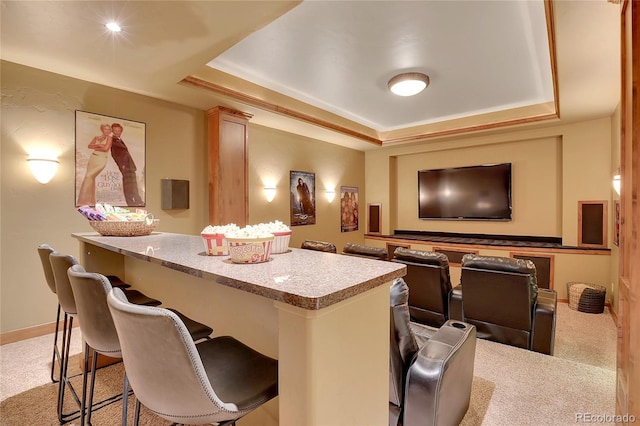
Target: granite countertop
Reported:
point(304, 278)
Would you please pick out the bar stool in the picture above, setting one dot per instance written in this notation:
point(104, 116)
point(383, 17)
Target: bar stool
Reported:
point(90, 291)
point(44, 250)
point(178, 388)
point(60, 263)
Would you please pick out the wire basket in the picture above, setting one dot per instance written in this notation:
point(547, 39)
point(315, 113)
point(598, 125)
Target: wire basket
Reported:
point(134, 228)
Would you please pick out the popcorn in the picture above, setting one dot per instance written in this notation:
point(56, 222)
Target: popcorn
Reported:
point(220, 229)
point(276, 226)
point(260, 230)
point(250, 231)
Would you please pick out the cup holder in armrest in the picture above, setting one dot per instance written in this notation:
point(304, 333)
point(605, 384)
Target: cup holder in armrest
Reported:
point(458, 325)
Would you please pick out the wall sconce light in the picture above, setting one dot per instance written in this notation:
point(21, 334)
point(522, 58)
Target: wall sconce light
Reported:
point(331, 194)
point(616, 183)
point(43, 169)
point(269, 193)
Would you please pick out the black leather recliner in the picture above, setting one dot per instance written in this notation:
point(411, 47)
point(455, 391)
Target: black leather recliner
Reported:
point(500, 296)
point(429, 285)
point(430, 371)
point(319, 246)
point(353, 249)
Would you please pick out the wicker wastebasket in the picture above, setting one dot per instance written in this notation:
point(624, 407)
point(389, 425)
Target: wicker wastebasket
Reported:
point(586, 297)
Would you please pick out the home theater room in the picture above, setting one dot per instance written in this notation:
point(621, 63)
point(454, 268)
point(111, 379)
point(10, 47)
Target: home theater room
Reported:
point(322, 213)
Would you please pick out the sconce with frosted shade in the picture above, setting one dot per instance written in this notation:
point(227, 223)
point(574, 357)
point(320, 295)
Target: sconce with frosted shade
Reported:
point(616, 183)
point(331, 194)
point(43, 169)
point(270, 193)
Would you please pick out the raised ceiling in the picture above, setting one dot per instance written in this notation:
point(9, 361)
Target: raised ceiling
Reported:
point(320, 68)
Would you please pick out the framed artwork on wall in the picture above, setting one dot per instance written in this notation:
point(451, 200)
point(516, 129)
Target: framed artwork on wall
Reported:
point(348, 208)
point(110, 160)
point(302, 188)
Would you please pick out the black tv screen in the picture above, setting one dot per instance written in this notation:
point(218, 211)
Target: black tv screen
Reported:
point(474, 193)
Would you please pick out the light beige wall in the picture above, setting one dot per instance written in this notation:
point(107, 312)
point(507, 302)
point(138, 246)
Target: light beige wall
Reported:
point(527, 157)
point(38, 110)
point(273, 154)
point(554, 168)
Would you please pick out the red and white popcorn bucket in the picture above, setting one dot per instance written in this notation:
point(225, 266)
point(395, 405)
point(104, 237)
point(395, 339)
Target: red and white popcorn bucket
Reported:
point(249, 250)
point(215, 244)
point(280, 242)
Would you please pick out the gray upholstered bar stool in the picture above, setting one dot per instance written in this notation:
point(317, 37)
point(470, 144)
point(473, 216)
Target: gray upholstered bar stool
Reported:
point(60, 263)
point(216, 381)
point(90, 291)
point(44, 250)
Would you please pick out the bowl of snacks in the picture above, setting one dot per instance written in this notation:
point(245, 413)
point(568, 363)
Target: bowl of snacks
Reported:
point(281, 236)
point(213, 237)
point(249, 245)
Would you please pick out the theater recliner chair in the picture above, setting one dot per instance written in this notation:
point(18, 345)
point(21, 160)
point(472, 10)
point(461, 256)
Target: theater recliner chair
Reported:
point(430, 371)
point(353, 249)
point(500, 296)
point(429, 285)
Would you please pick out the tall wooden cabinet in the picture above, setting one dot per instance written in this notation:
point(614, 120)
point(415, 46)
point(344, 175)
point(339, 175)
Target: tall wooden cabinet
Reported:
point(628, 362)
point(228, 175)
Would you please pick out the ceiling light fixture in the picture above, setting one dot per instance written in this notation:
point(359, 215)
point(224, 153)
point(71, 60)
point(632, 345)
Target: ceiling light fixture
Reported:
point(408, 84)
point(113, 26)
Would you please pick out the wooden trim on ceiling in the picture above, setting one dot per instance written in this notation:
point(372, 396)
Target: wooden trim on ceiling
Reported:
point(297, 115)
point(269, 106)
point(551, 35)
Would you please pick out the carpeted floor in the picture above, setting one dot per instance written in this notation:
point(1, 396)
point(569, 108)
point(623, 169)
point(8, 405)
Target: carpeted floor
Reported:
point(511, 386)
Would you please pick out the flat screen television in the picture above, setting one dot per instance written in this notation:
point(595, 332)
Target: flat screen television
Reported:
point(465, 193)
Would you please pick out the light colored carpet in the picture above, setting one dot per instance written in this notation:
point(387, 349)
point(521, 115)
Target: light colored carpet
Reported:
point(511, 386)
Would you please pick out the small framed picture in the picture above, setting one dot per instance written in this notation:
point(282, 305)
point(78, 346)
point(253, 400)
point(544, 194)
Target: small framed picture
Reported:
point(303, 198)
point(110, 160)
point(348, 208)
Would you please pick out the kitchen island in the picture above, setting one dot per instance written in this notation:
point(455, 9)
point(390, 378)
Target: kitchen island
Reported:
point(324, 316)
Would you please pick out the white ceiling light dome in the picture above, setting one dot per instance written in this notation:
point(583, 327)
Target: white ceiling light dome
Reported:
point(408, 84)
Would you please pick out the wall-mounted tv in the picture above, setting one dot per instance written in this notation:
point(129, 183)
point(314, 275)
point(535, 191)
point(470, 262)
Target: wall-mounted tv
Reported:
point(465, 193)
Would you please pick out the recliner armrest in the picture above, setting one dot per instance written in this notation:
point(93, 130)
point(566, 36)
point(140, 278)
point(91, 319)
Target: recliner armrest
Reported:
point(544, 322)
point(455, 303)
point(438, 382)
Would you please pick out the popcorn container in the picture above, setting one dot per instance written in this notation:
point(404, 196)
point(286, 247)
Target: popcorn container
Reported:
point(280, 242)
point(249, 250)
point(215, 244)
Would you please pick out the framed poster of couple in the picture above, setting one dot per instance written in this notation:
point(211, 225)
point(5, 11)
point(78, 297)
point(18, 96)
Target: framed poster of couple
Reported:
point(110, 160)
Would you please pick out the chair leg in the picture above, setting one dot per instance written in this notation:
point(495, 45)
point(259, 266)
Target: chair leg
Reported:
point(63, 362)
point(94, 370)
point(85, 374)
point(64, 380)
point(136, 415)
point(125, 400)
point(56, 352)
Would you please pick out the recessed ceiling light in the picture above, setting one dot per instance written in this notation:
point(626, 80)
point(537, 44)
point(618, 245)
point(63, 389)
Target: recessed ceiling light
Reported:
point(408, 84)
point(113, 26)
